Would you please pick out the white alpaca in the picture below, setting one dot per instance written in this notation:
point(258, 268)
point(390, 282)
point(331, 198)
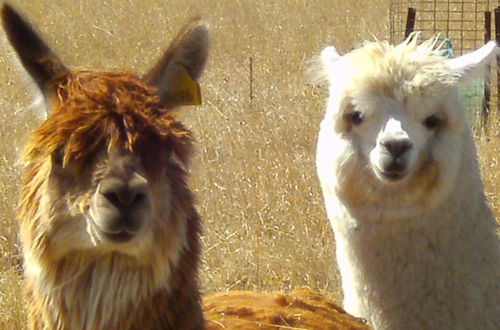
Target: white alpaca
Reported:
point(416, 240)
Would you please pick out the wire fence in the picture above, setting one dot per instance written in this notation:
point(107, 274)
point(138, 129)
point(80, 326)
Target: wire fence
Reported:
point(464, 26)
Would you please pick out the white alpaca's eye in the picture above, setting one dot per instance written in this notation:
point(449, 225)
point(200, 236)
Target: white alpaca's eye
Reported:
point(355, 117)
point(432, 122)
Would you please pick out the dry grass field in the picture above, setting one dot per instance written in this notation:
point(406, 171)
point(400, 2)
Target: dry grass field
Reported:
point(253, 174)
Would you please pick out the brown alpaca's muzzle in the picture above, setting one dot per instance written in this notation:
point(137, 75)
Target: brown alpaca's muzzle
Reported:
point(121, 204)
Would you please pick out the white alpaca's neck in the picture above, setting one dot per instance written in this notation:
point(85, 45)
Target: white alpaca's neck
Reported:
point(434, 269)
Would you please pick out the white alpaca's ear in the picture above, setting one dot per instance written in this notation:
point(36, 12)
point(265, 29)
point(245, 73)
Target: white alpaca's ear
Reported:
point(329, 57)
point(322, 68)
point(474, 64)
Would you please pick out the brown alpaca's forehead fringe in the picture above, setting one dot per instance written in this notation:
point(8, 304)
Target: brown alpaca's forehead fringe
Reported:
point(96, 110)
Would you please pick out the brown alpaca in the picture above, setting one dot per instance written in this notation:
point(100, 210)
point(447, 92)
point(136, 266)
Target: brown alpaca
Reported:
point(300, 309)
point(109, 233)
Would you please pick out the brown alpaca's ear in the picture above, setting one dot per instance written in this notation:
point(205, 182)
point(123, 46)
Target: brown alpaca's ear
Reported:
point(36, 57)
point(176, 73)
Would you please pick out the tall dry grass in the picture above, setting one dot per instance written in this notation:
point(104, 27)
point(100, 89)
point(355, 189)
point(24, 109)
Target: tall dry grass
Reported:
point(253, 173)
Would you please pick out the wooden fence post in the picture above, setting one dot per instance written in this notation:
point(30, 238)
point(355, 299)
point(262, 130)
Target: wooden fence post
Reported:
point(497, 37)
point(487, 92)
point(410, 21)
point(250, 78)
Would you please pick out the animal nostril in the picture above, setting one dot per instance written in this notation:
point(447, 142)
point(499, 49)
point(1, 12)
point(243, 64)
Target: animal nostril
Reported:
point(118, 199)
point(124, 193)
point(139, 198)
point(124, 198)
point(397, 147)
point(112, 198)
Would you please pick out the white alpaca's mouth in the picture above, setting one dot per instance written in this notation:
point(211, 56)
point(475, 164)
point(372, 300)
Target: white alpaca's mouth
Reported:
point(391, 169)
point(391, 174)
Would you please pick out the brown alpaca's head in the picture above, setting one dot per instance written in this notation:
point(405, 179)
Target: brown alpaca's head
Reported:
point(105, 170)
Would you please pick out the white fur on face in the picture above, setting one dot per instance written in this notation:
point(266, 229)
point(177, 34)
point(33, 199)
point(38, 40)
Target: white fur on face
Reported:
point(392, 137)
point(395, 92)
point(432, 152)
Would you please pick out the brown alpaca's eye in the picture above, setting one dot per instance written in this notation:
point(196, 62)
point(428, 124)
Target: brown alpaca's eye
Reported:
point(355, 117)
point(432, 122)
point(58, 157)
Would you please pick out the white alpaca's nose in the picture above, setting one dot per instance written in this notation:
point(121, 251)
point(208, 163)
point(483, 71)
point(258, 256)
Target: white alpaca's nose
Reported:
point(396, 147)
point(394, 140)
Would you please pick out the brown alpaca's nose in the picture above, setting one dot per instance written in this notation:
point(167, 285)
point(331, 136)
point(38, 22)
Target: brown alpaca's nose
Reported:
point(124, 193)
point(123, 206)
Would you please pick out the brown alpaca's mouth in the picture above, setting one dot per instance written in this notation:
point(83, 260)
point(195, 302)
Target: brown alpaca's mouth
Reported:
point(116, 229)
point(121, 237)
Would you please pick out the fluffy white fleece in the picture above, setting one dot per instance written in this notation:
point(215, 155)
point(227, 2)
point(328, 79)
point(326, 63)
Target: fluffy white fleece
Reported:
point(416, 243)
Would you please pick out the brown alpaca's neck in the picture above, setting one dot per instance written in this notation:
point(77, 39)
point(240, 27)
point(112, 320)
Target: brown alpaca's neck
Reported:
point(114, 292)
point(107, 295)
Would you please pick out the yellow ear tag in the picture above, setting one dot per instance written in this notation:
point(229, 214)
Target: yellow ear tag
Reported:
point(183, 90)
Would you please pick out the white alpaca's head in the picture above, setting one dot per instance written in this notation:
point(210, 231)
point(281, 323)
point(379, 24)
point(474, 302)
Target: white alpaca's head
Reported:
point(397, 124)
